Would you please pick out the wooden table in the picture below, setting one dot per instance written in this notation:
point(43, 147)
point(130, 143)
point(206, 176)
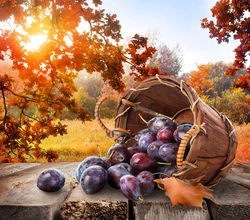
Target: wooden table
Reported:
point(21, 199)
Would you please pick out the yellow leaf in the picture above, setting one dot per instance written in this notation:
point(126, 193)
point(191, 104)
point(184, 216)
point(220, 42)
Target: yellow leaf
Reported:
point(184, 192)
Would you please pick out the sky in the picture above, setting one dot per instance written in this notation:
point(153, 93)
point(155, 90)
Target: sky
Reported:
point(175, 22)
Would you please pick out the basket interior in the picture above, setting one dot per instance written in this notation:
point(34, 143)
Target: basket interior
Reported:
point(162, 99)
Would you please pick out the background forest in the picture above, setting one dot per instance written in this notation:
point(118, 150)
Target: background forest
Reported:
point(53, 71)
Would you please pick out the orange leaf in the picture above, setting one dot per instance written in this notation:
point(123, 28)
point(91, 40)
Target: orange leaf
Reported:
point(184, 192)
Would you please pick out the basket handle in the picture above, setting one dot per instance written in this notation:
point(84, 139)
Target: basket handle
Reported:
point(118, 134)
point(97, 113)
point(192, 133)
point(182, 147)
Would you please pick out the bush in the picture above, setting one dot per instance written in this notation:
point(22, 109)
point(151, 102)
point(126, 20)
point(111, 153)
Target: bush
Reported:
point(234, 103)
point(88, 103)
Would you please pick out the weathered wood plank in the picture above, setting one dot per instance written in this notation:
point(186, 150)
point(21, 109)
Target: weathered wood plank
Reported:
point(232, 201)
point(158, 207)
point(11, 168)
point(108, 204)
point(240, 174)
point(243, 181)
point(21, 199)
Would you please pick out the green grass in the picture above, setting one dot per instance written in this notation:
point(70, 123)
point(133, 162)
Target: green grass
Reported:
point(83, 139)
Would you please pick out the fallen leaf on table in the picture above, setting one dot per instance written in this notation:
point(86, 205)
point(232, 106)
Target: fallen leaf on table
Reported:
point(184, 192)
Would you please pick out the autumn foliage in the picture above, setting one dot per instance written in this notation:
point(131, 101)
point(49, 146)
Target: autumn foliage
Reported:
point(218, 90)
point(232, 20)
point(243, 150)
point(38, 87)
point(199, 79)
point(79, 36)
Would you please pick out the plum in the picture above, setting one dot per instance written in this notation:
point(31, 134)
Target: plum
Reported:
point(115, 172)
point(168, 152)
point(130, 187)
point(127, 167)
point(145, 139)
point(118, 153)
point(134, 149)
point(93, 179)
point(141, 161)
point(141, 132)
point(156, 123)
point(153, 149)
point(180, 131)
point(146, 180)
point(87, 162)
point(165, 134)
point(167, 171)
point(50, 180)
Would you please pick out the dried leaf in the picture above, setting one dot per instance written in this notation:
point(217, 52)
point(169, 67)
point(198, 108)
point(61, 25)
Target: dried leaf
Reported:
point(184, 192)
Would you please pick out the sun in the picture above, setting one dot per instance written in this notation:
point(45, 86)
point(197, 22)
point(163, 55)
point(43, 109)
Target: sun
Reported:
point(35, 42)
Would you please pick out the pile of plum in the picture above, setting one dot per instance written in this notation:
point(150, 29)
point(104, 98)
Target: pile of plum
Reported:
point(132, 169)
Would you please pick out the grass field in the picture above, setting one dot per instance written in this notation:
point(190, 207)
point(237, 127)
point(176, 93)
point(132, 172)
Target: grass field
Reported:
point(89, 139)
point(83, 139)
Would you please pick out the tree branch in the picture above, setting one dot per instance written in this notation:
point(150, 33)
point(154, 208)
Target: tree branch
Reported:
point(21, 113)
point(30, 117)
point(27, 98)
point(5, 108)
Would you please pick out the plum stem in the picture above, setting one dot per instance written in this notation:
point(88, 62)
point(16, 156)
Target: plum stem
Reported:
point(130, 139)
point(140, 198)
point(163, 163)
point(160, 187)
point(71, 182)
point(142, 118)
point(159, 173)
point(111, 154)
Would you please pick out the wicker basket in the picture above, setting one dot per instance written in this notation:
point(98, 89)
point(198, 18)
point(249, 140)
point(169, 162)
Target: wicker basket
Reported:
point(212, 137)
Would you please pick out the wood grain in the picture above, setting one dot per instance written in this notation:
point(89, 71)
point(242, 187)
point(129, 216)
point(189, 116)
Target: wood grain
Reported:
point(21, 199)
point(11, 168)
point(240, 174)
point(158, 207)
point(232, 201)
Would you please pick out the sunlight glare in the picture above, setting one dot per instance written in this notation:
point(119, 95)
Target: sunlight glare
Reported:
point(35, 41)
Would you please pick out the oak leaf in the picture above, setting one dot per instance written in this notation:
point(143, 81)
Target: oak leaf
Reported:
point(185, 192)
